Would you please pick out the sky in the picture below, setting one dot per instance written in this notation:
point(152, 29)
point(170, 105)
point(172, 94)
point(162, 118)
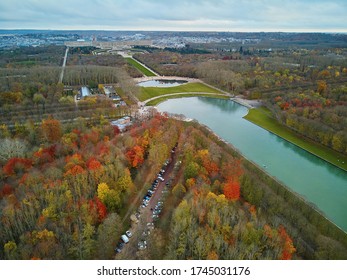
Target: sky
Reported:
point(176, 15)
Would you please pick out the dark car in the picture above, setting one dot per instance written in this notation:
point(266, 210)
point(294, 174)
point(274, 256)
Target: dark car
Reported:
point(119, 247)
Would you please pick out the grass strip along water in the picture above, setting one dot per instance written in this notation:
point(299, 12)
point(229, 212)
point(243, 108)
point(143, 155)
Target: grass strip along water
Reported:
point(140, 67)
point(263, 118)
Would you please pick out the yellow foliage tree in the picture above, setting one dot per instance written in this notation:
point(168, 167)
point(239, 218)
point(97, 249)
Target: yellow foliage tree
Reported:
point(103, 191)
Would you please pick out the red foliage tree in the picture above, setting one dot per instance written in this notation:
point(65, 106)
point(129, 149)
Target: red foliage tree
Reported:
point(100, 208)
point(116, 130)
point(23, 179)
point(6, 190)
point(46, 154)
point(14, 164)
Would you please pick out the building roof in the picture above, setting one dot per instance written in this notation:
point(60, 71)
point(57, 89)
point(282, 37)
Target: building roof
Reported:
point(85, 91)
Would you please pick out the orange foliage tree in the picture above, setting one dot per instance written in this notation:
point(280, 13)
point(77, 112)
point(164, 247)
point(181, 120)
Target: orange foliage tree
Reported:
point(231, 190)
point(288, 248)
point(135, 156)
point(210, 166)
point(74, 170)
point(74, 165)
point(51, 130)
point(93, 164)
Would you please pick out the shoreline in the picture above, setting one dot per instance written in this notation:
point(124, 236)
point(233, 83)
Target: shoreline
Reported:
point(249, 104)
point(297, 145)
point(310, 204)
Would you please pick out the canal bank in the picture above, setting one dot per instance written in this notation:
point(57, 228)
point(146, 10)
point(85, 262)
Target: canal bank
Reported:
point(315, 180)
point(262, 119)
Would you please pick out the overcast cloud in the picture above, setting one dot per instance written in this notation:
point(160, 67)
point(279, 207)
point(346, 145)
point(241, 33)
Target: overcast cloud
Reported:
point(226, 15)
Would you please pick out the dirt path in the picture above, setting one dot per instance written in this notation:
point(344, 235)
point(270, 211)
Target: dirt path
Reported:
point(131, 249)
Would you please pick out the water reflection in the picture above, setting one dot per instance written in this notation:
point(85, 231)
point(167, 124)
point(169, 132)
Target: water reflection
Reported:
point(162, 83)
point(220, 104)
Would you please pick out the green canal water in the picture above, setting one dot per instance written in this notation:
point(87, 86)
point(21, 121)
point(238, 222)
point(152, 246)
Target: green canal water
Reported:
point(317, 181)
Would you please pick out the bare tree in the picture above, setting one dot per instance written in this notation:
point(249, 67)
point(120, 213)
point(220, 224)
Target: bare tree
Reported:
point(10, 148)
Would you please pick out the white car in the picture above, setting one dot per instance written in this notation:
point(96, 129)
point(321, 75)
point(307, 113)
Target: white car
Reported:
point(161, 178)
point(142, 245)
point(150, 225)
point(125, 239)
point(128, 233)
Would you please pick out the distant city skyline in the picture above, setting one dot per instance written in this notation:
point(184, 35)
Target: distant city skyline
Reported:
point(178, 15)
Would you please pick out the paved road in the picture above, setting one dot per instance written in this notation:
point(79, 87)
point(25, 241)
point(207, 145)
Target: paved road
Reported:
point(190, 80)
point(63, 66)
point(183, 93)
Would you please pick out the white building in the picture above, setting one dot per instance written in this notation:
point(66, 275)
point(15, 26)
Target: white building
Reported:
point(122, 123)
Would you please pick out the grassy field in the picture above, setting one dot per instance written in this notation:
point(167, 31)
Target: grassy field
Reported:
point(162, 99)
point(149, 92)
point(142, 69)
point(263, 118)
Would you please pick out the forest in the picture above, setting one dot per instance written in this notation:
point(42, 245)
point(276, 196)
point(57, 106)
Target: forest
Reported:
point(68, 187)
point(30, 93)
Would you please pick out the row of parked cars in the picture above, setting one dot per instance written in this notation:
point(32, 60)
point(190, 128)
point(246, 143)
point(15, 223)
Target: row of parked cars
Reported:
point(142, 244)
point(154, 185)
point(150, 193)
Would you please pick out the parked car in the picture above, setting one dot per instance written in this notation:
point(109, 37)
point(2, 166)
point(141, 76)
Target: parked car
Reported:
point(150, 225)
point(161, 178)
point(128, 233)
point(155, 217)
point(142, 245)
point(125, 239)
point(144, 204)
point(119, 247)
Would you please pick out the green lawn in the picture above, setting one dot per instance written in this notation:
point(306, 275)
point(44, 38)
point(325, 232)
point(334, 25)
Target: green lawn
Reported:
point(262, 117)
point(149, 92)
point(142, 69)
point(162, 99)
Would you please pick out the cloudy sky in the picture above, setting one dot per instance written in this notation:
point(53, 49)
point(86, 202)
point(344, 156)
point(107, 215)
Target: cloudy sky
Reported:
point(209, 15)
